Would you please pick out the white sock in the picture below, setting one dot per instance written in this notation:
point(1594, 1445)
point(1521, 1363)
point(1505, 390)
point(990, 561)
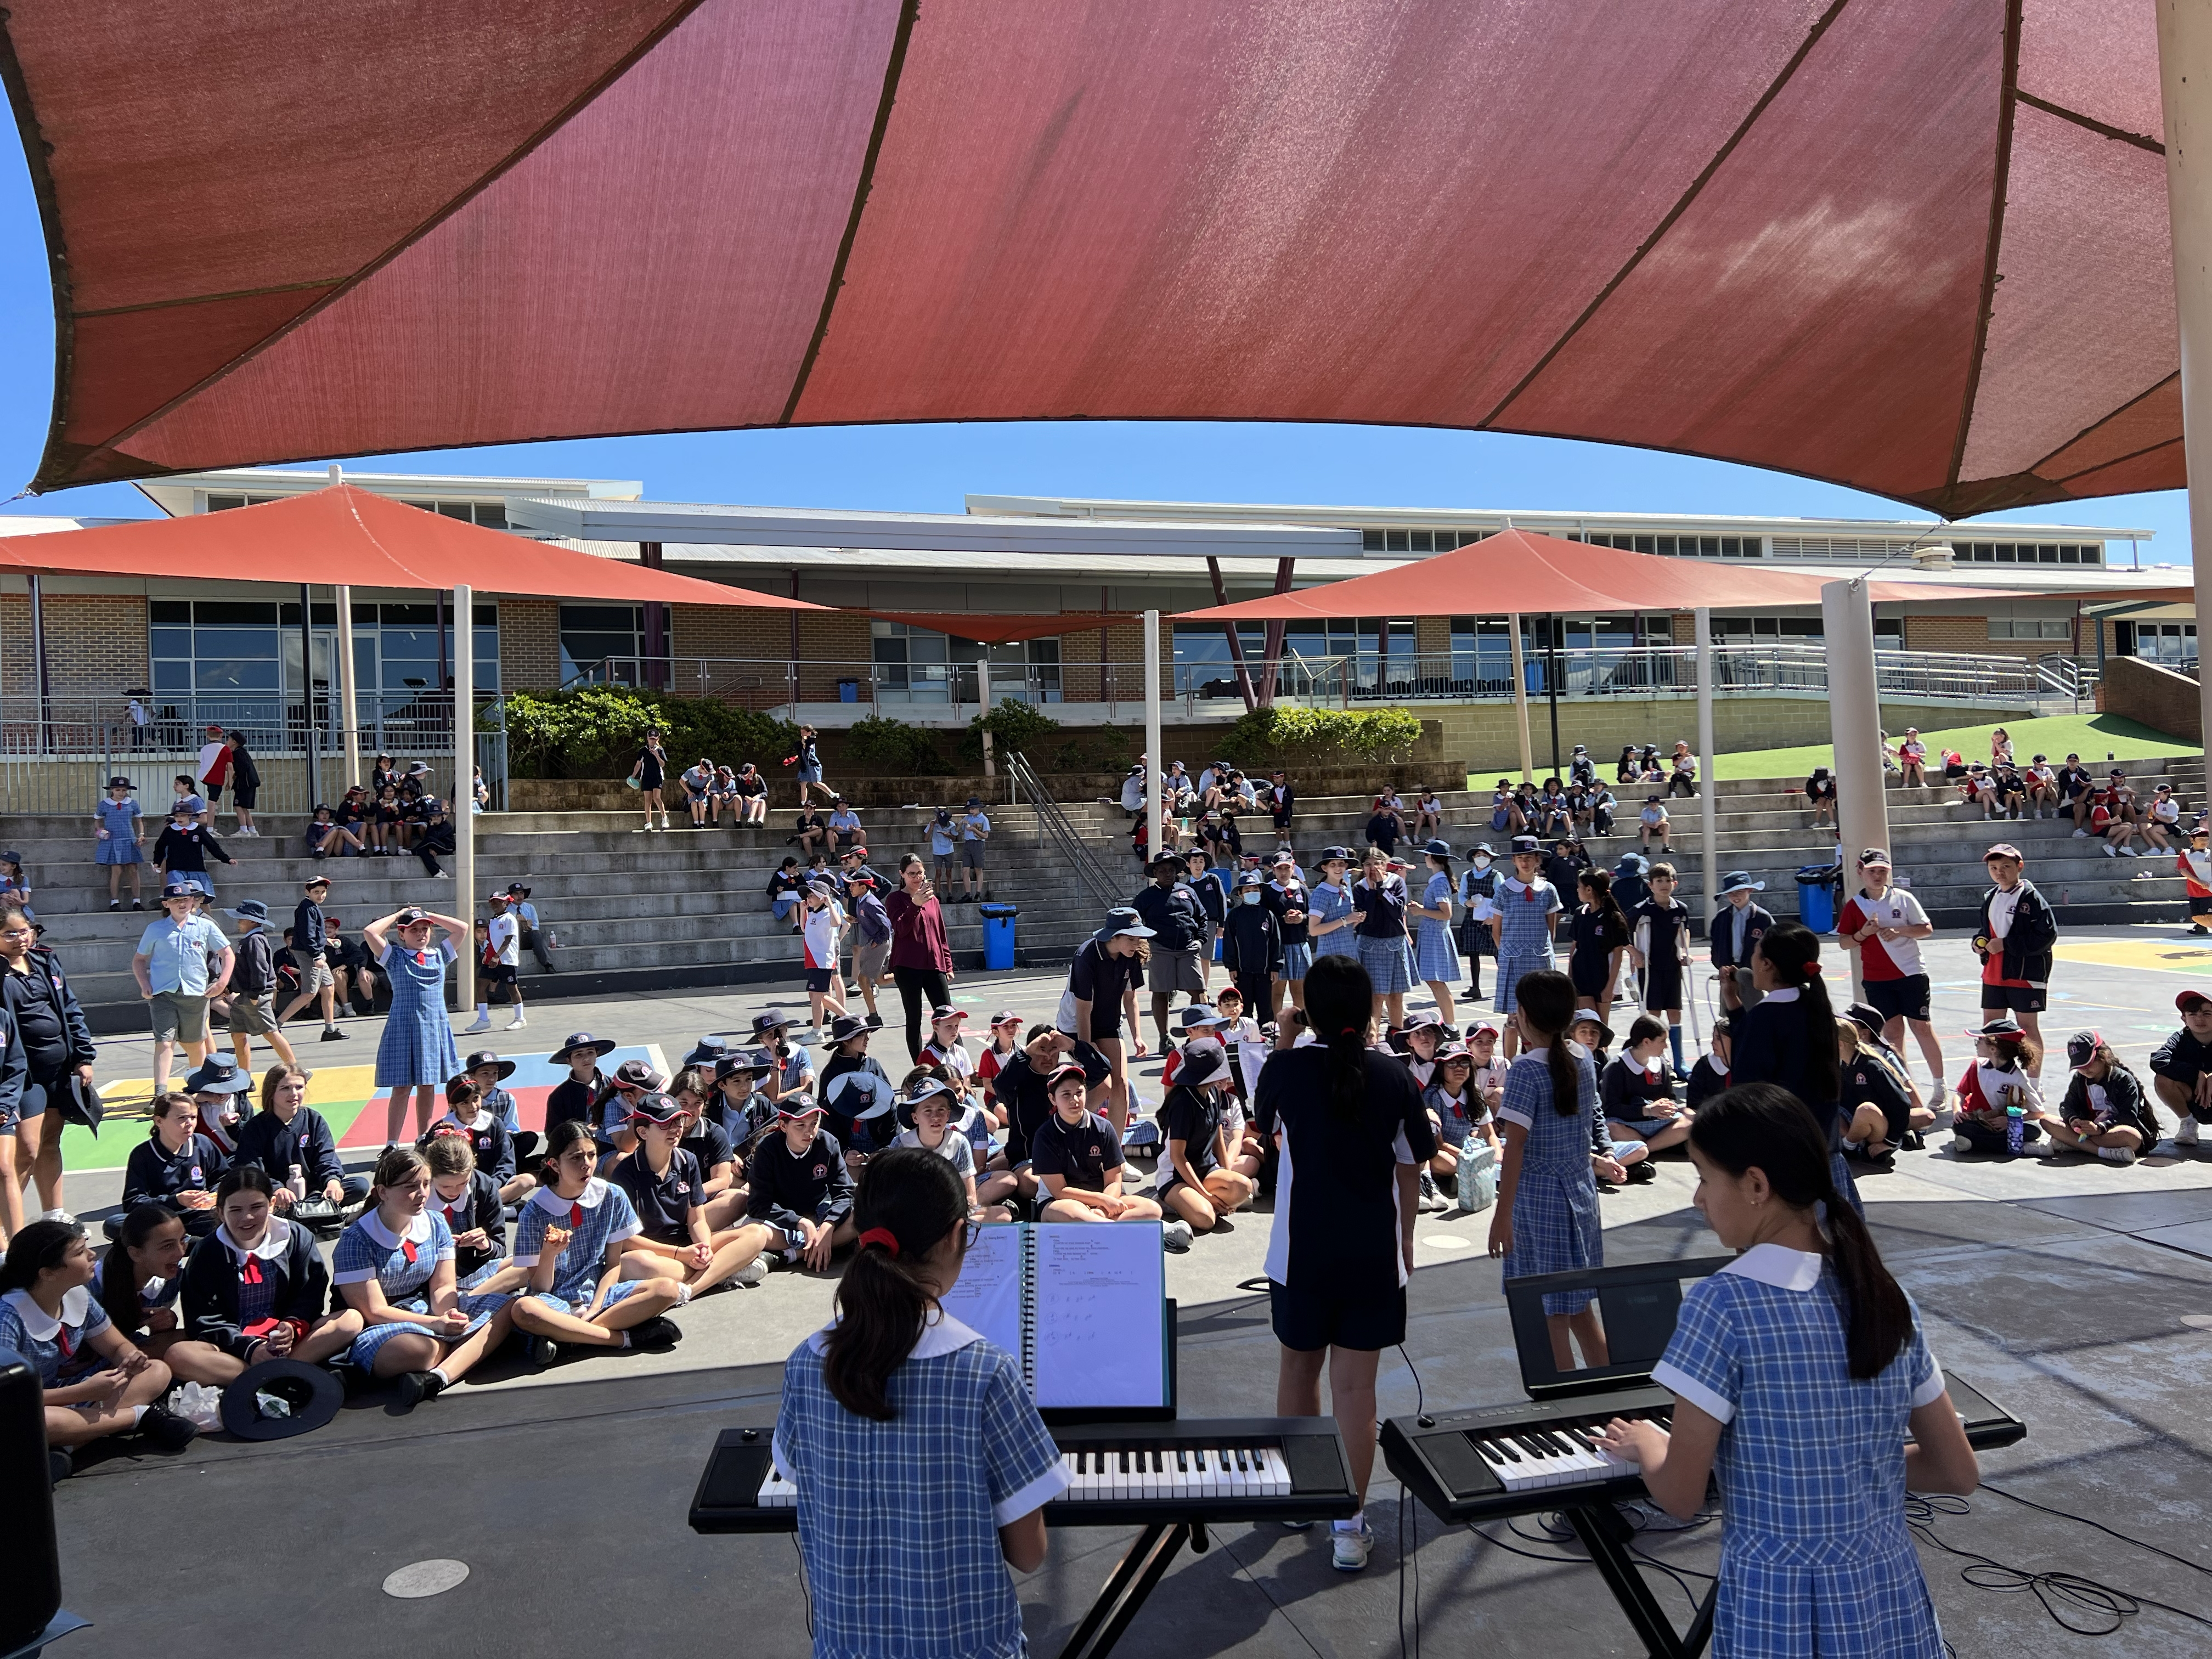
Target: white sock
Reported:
point(484, 1011)
point(682, 1294)
point(444, 1381)
point(52, 1215)
point(625, 1339)
point(1354, 1524)
point(137, 1415)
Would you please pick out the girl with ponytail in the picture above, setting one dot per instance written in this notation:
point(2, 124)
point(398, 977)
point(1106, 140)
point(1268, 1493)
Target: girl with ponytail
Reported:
point(1354, 1138)
point(1546, 1218)
point(894, 1383)
point(1807, 1352)
point(1789, 1036)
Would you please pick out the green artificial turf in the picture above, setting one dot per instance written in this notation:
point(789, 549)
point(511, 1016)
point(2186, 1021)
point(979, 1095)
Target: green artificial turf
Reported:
point(2092, 736)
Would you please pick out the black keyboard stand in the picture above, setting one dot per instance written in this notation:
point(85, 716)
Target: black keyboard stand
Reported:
point(1606, 1536)
point(1136, 1577)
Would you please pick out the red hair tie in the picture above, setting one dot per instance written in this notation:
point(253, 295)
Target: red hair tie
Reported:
point(885, 1237)
point(1812, 970)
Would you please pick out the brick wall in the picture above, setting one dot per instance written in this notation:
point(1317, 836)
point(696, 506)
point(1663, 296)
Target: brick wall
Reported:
point(529, 644)
point(1969, 637)
point(95, 644)
point(2152, 696)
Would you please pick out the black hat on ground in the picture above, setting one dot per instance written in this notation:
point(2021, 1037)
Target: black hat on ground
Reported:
point(300, 1399)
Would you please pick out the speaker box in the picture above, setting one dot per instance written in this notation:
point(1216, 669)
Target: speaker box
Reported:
point(26, 1507)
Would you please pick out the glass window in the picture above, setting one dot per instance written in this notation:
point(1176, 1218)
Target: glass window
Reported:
point(492, 515)
point(1371, 541)
point(591, 636)
point(223, 503)
point(1393, 541)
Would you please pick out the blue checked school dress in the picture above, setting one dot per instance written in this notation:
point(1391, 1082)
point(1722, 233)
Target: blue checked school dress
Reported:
point(56, 1347)
point(1524, 932)
point(1436, 957)
point(1555, 1220)
point(1385, 951)
point(417, 1045)
point(598, 1216)
point(1815, 1555)
point(898, 1521)
point(403, 1263)
point(1332, 903)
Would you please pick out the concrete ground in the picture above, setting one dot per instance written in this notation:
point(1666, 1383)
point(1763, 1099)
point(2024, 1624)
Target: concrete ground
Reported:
point(2077, 1294)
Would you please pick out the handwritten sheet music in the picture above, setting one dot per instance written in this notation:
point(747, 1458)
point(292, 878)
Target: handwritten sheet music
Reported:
point(1100, 1293)
point(987, 1298)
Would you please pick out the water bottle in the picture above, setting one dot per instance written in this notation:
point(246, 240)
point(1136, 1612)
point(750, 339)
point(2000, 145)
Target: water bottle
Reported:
point(2015, 1130)
point(298, 1182)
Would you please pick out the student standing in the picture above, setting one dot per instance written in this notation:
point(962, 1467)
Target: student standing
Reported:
point(1546, 1218)
point(1378, 917)
point(1353, 1136)
point(1100, 997)
point(1789, 1036)
point(182, 961)
point(1802, 1381)
point(896, 1382)
point(245, 783)
point(821, 926)
point(1885, 925)
point(975, 836)
point(116, 841)
point(1522, 927)
point(650, 776)
point(1734, 933)
point(1600, 935)
point(1252, 945)
point(317, 980)
point(1288, 899)
point(1435, 954)
point(252, 1011)
point(500, 966)
point(2015, 942)
point(1659, 947)
point(417, 1052)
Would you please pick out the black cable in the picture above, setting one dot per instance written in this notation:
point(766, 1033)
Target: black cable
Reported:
point(2182, 1560)
point(2101, 1609)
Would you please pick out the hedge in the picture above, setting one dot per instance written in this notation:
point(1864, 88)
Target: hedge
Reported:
point(597, 730)
point(1319, 734)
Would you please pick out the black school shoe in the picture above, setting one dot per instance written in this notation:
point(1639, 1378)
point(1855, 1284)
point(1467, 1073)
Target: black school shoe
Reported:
point(168, 1431)
point(1640, 1173)
point(540, 1351)
point(59, 1464)
point(655, 1335)
point(414, 1388)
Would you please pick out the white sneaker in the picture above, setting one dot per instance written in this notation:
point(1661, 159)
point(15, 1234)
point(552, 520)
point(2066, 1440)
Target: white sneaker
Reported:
point(517, 1022)
point(1348, 1550)
point(482, 1023)
point(752, 1272)
point(2038, 1149)
point(2184, 1133)
point(2081, 835)
point(1962, 1145)
point(2117, 1154)
point(2111, 851)
point(1939, 1098)
point(1175, 1235)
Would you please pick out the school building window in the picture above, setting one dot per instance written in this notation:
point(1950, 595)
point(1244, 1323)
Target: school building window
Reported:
point(2031, 628)
point(1676, 546)
point(1418, 541)
point(492, 515)
point(601, 642)
point(2028, 553)
point(919, 665)
point(233, 647)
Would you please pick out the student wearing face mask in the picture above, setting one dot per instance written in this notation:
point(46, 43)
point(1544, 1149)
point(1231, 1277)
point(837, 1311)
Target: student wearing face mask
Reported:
point(1477, 892)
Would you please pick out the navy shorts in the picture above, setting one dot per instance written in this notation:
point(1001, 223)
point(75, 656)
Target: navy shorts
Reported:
point(1903, 999)
point(1305, 1320)
point(818, 979)
point(2020, 999)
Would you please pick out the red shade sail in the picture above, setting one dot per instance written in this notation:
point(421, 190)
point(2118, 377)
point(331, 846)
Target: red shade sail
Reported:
point(1915, 246)
point(343, 534)
point(1518, 572)
point(1005, 630)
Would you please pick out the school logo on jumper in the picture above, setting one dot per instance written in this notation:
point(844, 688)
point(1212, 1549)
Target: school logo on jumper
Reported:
point(821, 1171)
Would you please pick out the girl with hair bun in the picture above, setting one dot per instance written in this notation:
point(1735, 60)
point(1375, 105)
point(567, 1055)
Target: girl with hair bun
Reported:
point(897, 1383)
point(1799, 1370)
point(1546, 1218)
point(1788, 1037)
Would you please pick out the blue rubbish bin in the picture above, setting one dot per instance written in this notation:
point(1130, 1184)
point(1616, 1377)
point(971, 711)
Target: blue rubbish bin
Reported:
point(998, 935)
point(1817, 885)
point(848, 691)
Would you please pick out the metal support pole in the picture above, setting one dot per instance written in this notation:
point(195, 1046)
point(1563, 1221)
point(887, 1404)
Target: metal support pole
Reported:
point(1552, 683)
point(2184, 64)
point(1521, 699)
point(1709, 785)
point(1236, 645)
point(310, 744)
point(1155, 768)
point(1855, 720)
point(460, 804)
point(41, 691)
point(349, 693)
point(794, 651)
point(1271, 668)
point(656, 623)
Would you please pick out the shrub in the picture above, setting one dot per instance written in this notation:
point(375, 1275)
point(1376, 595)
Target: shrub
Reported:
point(596, 730)
point(1315, 734)
point(893, 746)
point(1016, 728)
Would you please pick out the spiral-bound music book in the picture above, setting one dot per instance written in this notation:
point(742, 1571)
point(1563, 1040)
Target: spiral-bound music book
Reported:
point(1083, 1307)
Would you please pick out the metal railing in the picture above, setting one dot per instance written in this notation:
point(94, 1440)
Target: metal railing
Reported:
point(58, 753)
point(1090, 870)
point(1469, 674)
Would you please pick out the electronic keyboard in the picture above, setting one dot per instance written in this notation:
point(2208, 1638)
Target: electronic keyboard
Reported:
point(1192, 1472)
point(1505, 1461)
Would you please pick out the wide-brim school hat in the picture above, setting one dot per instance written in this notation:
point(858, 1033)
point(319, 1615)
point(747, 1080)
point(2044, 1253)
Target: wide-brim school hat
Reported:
point(843, 1027)
point(1252, 879)
point(1202, 1063)
point(768, 1021)
point(1738, 881)
point(249, 910)
point(2004, 1025)
point(1200, 1014)
point(1867, 1018)
point(180, 889)
point(907, 1101)
point(579, 1041)
point(310, 1397)
point(485, 1057)
point(1438, 848)
point(707, 1051)
point(226, 1079)
point(1526, 844)
point(516, 890)
point(1170, 861)
point(1588, 1017)
point(120, 782)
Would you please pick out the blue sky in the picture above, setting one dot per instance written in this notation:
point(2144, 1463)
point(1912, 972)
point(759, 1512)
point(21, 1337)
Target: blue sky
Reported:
point(931, 468)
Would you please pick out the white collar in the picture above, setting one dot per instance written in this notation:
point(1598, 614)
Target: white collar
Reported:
point(594, 1195)
point(274, 1243)
point(44, 1327)
point(418, 1230)
point(1534, 1054)
point(941, 1334)
point(1779, 1265)
point(1787, 993)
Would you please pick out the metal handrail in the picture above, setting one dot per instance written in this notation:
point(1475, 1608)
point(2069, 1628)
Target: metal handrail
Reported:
point(1096, 880)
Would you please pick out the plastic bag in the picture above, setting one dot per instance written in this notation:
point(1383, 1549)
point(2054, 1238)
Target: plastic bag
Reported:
point(197, 1404)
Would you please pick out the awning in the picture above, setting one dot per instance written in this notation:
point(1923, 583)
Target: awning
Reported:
point(1516, 573)
point(1005, 630)
point(343, 534)
point(1771, 232)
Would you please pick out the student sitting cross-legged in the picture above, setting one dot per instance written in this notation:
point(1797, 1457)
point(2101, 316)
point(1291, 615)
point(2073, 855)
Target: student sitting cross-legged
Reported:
point(1210, 1176)
point(138, 1284)
point(1077, 1157)
point(667, 1189)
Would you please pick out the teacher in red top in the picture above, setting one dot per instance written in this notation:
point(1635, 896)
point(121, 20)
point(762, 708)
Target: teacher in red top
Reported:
point(921, 961)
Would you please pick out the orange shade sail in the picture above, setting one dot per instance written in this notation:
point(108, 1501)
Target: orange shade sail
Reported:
point(1919, 247)
point(344, 534)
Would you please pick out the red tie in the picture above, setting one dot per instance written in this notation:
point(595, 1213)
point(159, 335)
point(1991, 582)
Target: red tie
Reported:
point(252, 1273)
point(407, 1249)
point(575, 1215)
